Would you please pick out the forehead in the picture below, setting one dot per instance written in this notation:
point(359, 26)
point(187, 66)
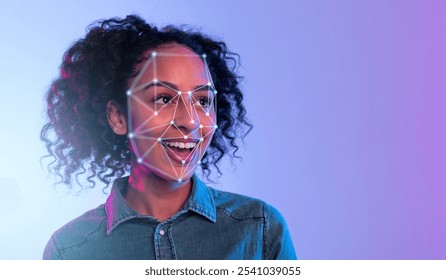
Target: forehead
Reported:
point(175, 63)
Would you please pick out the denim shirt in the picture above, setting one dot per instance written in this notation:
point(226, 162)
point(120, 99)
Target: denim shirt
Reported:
point(212, 225)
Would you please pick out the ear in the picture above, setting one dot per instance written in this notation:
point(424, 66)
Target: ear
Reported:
point(116, 119)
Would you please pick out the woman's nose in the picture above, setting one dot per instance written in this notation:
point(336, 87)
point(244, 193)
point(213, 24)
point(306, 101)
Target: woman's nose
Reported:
point(185, 116)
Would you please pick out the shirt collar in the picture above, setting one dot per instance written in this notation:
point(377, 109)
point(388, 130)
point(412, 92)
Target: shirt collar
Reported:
point(201, 200)
point(117, 210)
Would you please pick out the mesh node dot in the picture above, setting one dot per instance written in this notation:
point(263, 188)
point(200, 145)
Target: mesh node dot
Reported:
point(155, 113)
point(129, 92)
point(180, 180)
point(154, 81)
point(131, 135)
point(201, 126)
point(172, 122)
point(199, 162)
point(216, 126)
point(159, 139)
point(139, 160)
point(179, 92)
point(192, 121)
point(183, 162)
point(154, 54)
point(207, 114)
point(209, 83)
point(189, 92)
point(215, 91)
point(185, 136)
point(204, 55)
point(201, 139)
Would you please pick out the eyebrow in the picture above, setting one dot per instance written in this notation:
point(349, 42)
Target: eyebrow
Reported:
point(175, 87)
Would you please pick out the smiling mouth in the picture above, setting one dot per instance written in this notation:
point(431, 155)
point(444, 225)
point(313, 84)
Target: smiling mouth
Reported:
point(180, 145)
point(180, 151)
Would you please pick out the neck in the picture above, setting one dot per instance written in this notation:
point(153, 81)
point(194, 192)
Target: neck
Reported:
point(150, 194)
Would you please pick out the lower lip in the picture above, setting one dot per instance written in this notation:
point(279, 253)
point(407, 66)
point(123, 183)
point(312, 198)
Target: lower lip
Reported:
point(179, 155)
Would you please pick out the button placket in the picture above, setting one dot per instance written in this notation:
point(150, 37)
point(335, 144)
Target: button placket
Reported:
point(163, 243)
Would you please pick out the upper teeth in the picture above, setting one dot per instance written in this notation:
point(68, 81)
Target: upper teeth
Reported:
point(181, 145)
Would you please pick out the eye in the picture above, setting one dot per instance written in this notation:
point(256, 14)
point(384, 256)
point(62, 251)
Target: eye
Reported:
point(163, 99)
point(203, 102)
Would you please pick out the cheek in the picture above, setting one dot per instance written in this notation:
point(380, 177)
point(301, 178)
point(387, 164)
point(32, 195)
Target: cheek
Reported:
point(209, 119)
point(139, 112)
point(209, 125)
point(144, 118)
point(208, 131)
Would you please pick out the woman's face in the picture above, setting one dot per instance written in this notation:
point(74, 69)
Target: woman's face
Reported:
point(172, 112)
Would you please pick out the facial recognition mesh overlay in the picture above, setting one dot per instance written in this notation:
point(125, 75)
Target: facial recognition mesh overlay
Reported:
point(172, 113)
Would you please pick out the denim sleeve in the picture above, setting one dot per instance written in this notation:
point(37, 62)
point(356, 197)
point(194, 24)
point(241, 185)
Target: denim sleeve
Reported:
point(51, 252)
point(277, 239)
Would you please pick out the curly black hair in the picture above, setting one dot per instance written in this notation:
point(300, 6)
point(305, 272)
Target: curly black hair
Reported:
point(96, 70)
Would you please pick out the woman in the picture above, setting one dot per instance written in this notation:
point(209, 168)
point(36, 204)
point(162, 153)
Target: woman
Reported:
point(157, 104)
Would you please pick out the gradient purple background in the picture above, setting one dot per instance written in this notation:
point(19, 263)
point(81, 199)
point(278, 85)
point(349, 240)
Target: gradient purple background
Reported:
point(347, 98)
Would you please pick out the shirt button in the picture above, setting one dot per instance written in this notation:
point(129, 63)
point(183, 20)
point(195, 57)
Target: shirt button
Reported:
point(162, 232)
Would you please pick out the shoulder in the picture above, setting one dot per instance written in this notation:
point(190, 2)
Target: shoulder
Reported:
point(276, 236)
point(244, 206)
point(237, 205)
point(75, 233)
